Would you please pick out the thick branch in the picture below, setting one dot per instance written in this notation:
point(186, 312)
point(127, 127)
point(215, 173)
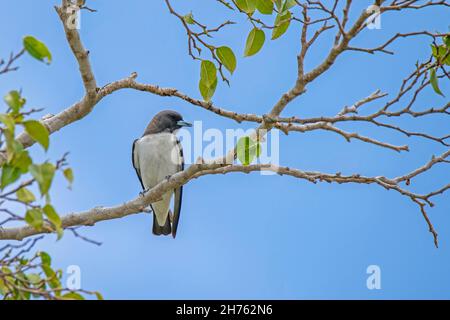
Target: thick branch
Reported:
point(137, 205)
point(66, 13)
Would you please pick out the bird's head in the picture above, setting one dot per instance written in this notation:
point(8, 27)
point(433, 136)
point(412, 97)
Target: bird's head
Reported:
point(166, 121)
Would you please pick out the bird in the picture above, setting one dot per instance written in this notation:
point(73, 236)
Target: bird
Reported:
point(157, 155)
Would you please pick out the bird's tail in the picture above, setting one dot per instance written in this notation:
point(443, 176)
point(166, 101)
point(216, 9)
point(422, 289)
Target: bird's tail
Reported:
point(158, 230)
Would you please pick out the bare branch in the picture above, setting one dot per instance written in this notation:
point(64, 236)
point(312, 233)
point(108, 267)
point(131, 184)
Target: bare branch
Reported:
point(91, 217)
point(65, 12)
point(6, 67)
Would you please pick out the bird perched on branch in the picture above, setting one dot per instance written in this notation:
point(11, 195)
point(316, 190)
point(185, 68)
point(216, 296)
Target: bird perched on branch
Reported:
point(156, 156)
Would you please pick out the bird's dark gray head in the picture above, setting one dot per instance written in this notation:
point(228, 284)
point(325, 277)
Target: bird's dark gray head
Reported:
point(166, 121)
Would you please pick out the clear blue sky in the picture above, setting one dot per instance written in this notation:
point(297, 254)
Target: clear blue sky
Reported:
point(231, 243)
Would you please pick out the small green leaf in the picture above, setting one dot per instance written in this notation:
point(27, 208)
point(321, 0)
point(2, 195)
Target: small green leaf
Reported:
point(208, 79)
point(25, 195)
point(34, 218)
point(68, 174)
point(436, 50)
point(73, 296)
point(227, 57)
point(21, 159)
point(37, 49)
point(52, 216)
point(288, 4)
point(247, 150)
point(254, 43)
point(52, 277)
point(440, 52)
point(38, 132)
point(282, 23)
point(34, 278)
point(279, 4)
point(3, 288)
point(14, 101)
point(98, 295)
point(206, 91)
point(45, 258)
point(247, 6)
point(208, 72)
point(283, 5)
point(10, 175)
point(264, 6)
point(189, 18)
point(447, 41)
point(43, 174)
point(8, 121)
point(434, 82)
point(13, 147)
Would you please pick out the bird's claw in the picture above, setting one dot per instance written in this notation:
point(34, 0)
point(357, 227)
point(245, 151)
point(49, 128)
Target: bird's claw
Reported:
point(142, 193)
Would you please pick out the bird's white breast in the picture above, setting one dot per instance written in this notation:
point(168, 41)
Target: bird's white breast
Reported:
point(158, 156)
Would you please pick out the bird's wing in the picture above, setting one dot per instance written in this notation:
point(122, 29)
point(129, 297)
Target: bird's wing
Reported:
point(178, 195)
point(135, 161)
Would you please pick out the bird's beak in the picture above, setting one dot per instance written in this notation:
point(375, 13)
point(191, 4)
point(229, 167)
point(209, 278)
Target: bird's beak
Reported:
point(182, 123)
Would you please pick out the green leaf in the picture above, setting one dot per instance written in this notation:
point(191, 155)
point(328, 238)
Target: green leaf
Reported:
point(3, 288)
point(21, 159)
point(54, 218)
point(207, 92)
point(49, 272)
point(247, 6)
point(45, 258)
point(68, 174)
point(264, 6)
point(208, 79)
point(279, 4)
point(282, 23)
point(8, 121)
point(208, 72)
point(227, 57)
point(10, 175)
point(38, 132)
point(73, 296)
point(52, 277)
point(34, 278)
point(51, 214)
point(37, 49)
point(283, 5)
point(247, 150)
point(439, 52)
point(43, 174)
point(254, 43)
point(436, 50)
point(14, 101)
point(98, 295)
point(288, 4)
point(447, 41)
point(189, 18)
point(13, 147)
point(34, 218)
point(434, 82)
point(25, 195)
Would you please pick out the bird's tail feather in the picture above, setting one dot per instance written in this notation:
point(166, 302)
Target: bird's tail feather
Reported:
point(158, 230)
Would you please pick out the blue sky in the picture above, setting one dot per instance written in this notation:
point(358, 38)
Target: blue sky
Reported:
point(240, 236)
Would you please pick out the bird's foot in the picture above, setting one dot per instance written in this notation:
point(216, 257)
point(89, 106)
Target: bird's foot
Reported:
point(142, 193)
point(168, 177)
